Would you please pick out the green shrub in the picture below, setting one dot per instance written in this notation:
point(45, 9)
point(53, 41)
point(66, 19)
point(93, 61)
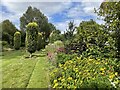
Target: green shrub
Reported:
point(39, 42)
point(85, 73)
point(4, 43)
point(31, 37)
point(17, 40)
point(58, 44)
point(62, 57)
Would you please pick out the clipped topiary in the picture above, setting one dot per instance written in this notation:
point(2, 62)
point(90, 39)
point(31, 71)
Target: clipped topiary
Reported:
point(39, 41)
point(31, 37)
point(17, 40)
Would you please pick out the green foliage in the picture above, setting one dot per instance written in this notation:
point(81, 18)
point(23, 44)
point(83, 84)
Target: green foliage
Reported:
point(88, 33)
point(85, 73)
point(59, 44)
point(7, 31)
point(91, 32)
point(31, 37)
point(54, 36)
point(3, 43)
point(110, 11)
point(35, 15)
point(17, 40)
point(39, 41)
point(69, 34)
point(62, 58)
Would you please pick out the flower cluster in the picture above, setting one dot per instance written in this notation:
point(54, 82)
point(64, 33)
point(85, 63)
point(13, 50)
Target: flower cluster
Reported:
point(85, 73)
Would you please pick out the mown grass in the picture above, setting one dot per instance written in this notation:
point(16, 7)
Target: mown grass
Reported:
point(21, 72)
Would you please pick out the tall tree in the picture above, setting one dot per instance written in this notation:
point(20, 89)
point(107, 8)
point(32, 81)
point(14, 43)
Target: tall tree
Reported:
point(70, 31)
point(110, 11)
point(34, 15)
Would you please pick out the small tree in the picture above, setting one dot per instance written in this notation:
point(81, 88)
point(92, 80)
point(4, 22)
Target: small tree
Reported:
point(39, 41)
point(31, 37)
point(17, 40)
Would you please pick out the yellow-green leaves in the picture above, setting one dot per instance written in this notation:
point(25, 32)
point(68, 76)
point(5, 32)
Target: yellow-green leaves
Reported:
point(32, 24)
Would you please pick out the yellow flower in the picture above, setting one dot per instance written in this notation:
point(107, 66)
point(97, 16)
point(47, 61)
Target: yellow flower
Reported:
point(75, 80)
point(59, 78)
point(60, 65)
point(76, 69)
point(111, 76)
point(116, 73)
point(55, 70)
point(55, 81)
point(65, 68)
point(71, 61)
point(75, 87)
point(81, 82)
point(102, 73)
point(97, 63)
point(79, 72)
point(62, 80)
point(93, 78)
point(70, 78)
point(102, 69)
point(55, 85)
point(106, 63)
point(88, 74)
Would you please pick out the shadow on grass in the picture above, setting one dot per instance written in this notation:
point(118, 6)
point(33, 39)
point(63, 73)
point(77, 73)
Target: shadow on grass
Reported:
point(36, 55)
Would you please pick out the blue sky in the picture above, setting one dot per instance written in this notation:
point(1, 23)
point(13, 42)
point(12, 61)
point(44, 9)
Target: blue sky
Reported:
point(59, 13)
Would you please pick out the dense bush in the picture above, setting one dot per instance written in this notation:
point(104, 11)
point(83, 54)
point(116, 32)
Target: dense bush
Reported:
point(85, 73)
point(62, 57)
point(3, 44)
point(39, 41)
point(31, 37)
point(17, 40)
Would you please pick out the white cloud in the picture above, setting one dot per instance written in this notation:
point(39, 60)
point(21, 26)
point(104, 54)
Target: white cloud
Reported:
point(49, 8)
point(82, 9)
point(18, 7)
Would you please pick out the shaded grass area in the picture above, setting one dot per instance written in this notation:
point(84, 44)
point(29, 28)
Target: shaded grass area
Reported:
point(21, 72)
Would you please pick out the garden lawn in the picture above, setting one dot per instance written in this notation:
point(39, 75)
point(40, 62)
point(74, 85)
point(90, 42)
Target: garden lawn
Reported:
point(19, 71)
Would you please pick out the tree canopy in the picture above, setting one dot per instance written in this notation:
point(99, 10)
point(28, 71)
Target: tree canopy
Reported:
point(110, 11)
point(35, 15)
point(8, 30)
